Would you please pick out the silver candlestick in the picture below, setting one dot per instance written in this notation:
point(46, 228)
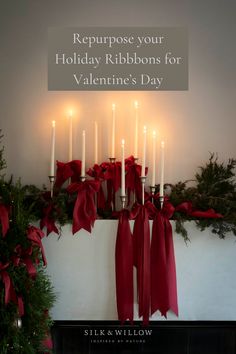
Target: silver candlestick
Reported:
point(135, 161)
point(51, 180)
point(143, 180)
point(152, 189)
point(161, 198)
point(123, 200)
point(82, 178)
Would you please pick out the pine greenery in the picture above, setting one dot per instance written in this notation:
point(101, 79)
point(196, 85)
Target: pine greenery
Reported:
point(215, 188)
point(36, 292)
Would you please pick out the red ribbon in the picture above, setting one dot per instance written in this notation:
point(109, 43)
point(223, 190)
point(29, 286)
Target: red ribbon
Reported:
point(24, 257)
point(35, 235)
point(4, 218)
point(10, 294)
point(113, 176)
point(67, 170)
point(132, 178)
point(187, 207)
point(141, 238)
point(84, 214)
point(124, 268)
point(97, 172)
point(163, 270)
point(48, 220)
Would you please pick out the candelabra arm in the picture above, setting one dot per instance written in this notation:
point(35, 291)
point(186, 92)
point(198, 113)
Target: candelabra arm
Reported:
point(161, 198)
point(143, 180)
point(123, 200)
point(82, 178)
point(51, 180)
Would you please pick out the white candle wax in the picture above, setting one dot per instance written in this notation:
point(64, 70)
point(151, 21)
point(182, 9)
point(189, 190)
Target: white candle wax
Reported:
point(83, 155)
point(136, 131)
point(95, 143)
point(113, 130)
point(70, 156)
point(122, 168)
point(153, 158)
point(162, 169)
point(144, 151)
point(52, 164)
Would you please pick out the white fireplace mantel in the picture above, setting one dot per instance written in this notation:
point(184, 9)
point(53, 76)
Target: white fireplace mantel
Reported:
point(82, 271)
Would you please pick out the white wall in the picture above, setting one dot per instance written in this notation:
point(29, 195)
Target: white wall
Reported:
point(82, 270)
point(192, 123)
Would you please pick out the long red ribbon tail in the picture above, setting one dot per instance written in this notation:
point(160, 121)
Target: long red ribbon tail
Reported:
point(101, 198)
point(109, 194)
point(4, 219)
point(171, 268)
point(142, 254)
point(159, 277)
point(124, 269)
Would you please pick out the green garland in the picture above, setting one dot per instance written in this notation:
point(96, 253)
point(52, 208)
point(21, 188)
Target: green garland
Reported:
point(36, 292)
point(213, 187)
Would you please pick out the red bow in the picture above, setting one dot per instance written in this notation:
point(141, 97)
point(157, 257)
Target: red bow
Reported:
point(48, 220)
point(141, 238)
point(124, 268)
point(97, 172)
point(84, 214)
point(67, 170)
point(132, 178)
point(10, 294)
point(163, 271)
point(24, 257)
point(4, 218)
point(35, 235)
point(113, 176)
point(187, 207)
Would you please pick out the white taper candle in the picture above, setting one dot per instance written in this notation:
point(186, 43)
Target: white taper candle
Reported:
point(113, 130)
point(70, 156)
point(162, 169)
point(95, 143)
point(122, 168)
point(136, 131)
point(153, 158)
point(144, 151)
point(52, 164)
point(83, 155)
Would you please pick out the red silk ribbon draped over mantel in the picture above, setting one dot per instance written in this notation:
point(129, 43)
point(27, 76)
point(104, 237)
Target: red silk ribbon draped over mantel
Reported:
point(84, 214)
point(163, 271)
point(124, 268)
point(141, 242)
point(151, 253)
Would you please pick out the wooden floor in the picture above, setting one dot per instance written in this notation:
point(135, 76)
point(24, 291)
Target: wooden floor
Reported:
point(93, 337)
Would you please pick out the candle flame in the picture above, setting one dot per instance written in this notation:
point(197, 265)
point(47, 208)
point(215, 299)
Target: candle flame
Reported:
point(145, 129)
point(113, 106)
point(123, 142)
point(70, 113)
point(162, 144)
point(136, 104)
point(53, 123)
point(83, 132)
point(154, 134)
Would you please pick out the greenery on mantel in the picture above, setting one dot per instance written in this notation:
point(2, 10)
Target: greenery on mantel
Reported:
point(213, 187)
point(26, 294)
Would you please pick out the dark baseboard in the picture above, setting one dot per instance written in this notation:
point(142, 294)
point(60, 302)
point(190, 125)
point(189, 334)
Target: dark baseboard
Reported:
point(160, 337)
